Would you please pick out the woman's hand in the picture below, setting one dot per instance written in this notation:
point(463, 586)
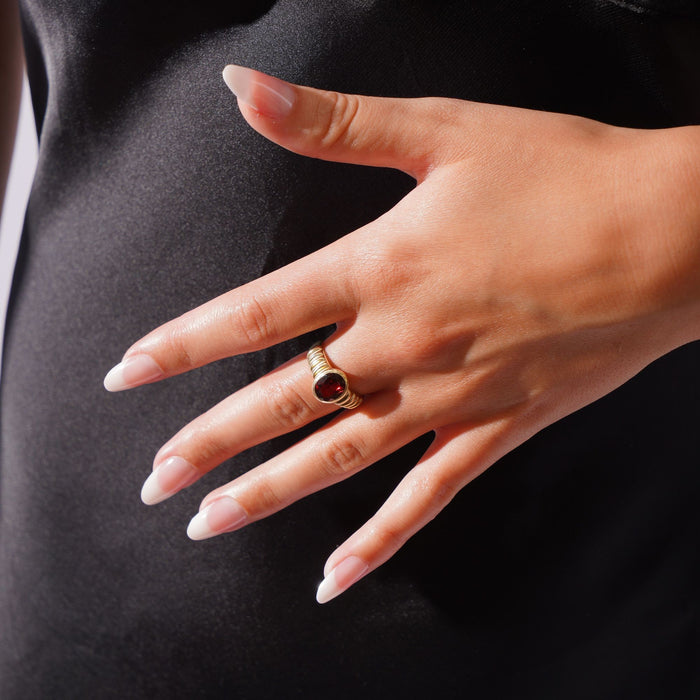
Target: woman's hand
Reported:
point(541, 261)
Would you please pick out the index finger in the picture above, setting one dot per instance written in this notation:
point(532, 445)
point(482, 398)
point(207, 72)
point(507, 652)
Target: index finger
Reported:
point(310, 293)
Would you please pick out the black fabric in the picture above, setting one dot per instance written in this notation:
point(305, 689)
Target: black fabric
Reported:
point(568, 570)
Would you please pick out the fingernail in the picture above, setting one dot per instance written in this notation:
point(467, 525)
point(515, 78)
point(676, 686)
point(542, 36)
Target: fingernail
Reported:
point(167, 479)
point(269, 96)
point(349, 571)
point(223, 515)
point(134, 370)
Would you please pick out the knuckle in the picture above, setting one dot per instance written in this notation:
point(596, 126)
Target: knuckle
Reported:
point(336, 126)
point(383, 268)
point(425, 348)
point(390, 264)
point(176, 348)
point(253, 321)
point(450, 118)
point(342, 457)
point(262, 498)
point(445, 112)
point(201, 440)
point(438, 489)
point(388, 538)
point(288, 407)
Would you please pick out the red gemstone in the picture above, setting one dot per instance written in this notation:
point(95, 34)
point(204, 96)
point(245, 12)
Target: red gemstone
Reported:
point(330, 387)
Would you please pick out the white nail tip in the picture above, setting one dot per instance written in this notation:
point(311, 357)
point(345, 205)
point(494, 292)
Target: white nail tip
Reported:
point(114, 381)
point(349, 571)
point(199, 529)
point(237, 79)
point(167, 479)
point(151, 492)
point(134, 370)
point(327, 590)
point(224, 514)
point(269, 96)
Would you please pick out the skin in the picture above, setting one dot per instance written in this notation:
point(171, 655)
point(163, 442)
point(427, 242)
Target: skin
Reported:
point(540, 262)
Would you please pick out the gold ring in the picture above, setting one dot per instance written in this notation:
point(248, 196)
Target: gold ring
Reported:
point(330, 384)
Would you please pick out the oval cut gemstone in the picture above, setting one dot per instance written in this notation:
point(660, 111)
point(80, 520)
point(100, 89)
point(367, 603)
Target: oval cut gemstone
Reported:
point(330, 387)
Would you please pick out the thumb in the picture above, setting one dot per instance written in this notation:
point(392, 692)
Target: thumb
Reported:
point(407, 134)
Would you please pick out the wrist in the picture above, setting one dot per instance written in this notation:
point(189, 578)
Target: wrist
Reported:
point(658, 191)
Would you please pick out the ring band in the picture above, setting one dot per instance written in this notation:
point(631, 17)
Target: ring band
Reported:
point(330, 384)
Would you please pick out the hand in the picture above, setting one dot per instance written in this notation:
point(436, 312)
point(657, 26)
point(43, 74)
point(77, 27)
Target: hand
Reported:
point(530, 272)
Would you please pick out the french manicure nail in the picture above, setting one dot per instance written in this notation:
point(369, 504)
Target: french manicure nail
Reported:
point(269, 96)
point(169, 477)
point(134, 370)
point(223, 515)
point(349, 571)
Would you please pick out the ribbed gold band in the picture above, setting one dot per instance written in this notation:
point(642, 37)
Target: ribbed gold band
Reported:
point(330, 384)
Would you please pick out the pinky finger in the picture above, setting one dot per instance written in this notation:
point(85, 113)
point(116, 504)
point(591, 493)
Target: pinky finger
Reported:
point(457, 456)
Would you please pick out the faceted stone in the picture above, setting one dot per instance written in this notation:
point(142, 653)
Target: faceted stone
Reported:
point(330, 387)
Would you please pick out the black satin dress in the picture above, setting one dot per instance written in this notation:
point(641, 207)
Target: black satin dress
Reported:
point(568, 570)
